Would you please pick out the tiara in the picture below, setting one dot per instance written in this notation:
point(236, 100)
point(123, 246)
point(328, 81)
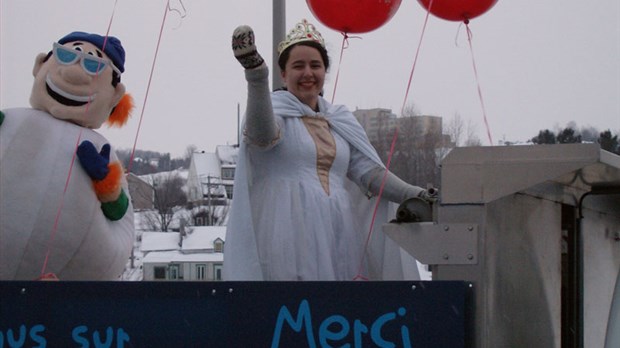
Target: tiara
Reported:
point(303, 31)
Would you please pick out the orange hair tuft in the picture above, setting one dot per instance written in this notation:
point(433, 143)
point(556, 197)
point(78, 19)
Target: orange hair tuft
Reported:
point(122, 111)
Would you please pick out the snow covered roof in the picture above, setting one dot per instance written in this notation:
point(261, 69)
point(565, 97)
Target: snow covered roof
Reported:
point(203, 237)
point(162, 176)
point(206, 164)
point(227, 154)
point(160, 241)
point(177, 256)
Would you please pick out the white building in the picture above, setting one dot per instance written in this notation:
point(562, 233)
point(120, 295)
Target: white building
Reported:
point(376, 122)
point(211, 176)
point(194, 255)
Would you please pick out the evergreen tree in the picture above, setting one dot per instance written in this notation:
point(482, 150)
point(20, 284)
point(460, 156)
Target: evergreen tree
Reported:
point(544, 137)
point(568, 136)
point(608, 142)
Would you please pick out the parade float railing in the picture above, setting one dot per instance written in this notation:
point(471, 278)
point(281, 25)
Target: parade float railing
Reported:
point(524, 248)
point(536, 231)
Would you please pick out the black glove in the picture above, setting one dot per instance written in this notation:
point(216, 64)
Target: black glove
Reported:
point(244, 47)
point(94, 163)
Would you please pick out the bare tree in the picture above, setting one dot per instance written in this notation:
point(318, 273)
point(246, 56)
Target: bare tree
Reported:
point(411, 110)
point(472, 138)
point(462, 133)
point(456, 129)
point(168, 201)
point(415, 157)
point(189, 152)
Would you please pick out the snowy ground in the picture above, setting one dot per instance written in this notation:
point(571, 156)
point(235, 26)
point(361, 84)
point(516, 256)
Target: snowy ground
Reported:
point(135, 273)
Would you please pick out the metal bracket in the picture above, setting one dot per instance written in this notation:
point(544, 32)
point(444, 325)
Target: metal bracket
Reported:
point(437, 244)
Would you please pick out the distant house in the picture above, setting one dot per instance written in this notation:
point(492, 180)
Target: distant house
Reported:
point(141, 192)
point(211, 176)
point(228, 162)
point(209, 216)
point(195, 255)
point(142, 188)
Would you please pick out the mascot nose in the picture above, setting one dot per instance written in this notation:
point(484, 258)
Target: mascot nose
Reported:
point(75, 75)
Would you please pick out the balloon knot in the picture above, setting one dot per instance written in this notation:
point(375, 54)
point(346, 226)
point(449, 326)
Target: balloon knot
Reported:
point(48, 277)
point(360, 277)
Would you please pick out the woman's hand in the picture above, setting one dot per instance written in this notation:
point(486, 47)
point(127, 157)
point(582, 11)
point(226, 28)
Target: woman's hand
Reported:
point(430, 195)
point(244, 47)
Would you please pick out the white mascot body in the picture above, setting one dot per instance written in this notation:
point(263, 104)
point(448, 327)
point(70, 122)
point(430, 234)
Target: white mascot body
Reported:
point(52, 216)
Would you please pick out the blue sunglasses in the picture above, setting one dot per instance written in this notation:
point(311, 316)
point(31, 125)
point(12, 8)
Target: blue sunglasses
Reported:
point(92, 65)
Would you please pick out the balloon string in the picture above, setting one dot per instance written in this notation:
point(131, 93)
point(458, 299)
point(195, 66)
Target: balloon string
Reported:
point(473, 60)
point(415, 60)
point(148, 86)
point(60, 206)
point(345, 44)
point(71, 166)
point(107, 33)
point(359, 275)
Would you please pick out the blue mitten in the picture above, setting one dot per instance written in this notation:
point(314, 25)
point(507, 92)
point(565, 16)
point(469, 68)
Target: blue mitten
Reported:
point(106, 179)
point(94, 163)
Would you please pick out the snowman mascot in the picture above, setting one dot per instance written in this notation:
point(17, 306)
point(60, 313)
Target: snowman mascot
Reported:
point(65, 210)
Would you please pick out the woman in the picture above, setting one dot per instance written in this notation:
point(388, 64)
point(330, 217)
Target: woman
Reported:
point(295, 209)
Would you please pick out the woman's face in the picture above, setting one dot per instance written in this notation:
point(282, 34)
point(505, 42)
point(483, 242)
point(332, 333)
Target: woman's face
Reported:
point(304, 74)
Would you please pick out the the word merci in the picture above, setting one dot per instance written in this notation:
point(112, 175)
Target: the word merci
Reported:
point(336, 330)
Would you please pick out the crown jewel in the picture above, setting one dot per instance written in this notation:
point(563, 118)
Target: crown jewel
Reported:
point(303, 31)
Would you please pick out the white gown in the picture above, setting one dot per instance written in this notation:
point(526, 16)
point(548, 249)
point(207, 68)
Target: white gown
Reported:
point(302, 232)
point(292, 229)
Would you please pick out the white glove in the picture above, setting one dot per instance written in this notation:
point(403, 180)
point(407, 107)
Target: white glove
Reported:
point(244, 47)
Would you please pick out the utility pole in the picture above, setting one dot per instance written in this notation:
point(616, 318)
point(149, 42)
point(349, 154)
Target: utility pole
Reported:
point(279, 32)
point(209, 215)
point(210, 207)
point(238, 124)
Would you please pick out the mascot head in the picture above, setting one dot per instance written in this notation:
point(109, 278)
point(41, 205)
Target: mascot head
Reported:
point(79, 81)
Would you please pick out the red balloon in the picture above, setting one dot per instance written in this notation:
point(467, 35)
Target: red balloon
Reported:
point(353, 16)
point(458, 10)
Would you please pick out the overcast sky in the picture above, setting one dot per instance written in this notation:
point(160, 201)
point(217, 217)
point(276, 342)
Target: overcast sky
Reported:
point(541, 64)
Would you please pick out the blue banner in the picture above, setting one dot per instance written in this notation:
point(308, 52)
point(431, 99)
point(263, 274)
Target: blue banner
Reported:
point(235, 314)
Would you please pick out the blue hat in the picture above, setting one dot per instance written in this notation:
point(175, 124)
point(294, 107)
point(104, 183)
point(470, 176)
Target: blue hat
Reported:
point(113, 47)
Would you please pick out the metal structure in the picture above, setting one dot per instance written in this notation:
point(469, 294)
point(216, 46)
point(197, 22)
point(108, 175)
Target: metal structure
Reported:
point(536, 230)
point(279, 33)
